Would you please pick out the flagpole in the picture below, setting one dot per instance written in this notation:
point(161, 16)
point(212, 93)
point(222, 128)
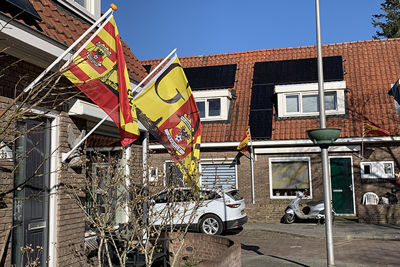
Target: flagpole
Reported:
point(252, 169)
point(32, 84)
point(324, 150)
point(152, 72)
point(362, 143)
point(66, 155)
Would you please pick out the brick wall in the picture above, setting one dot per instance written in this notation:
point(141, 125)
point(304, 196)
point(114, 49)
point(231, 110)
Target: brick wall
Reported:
point(266, 209)
point(379, 214)
point(6, 183)
point(15, 75)
point(206, 250)
point(387, 152)
point(70, 217)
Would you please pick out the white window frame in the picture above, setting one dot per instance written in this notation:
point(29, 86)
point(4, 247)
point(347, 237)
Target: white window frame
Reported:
point(375, 170)
point(304, 89)
point(225, 97)
point(219, 161)
point(207, 161)
point(289, 159)
point(90, 12)
point(153, 174)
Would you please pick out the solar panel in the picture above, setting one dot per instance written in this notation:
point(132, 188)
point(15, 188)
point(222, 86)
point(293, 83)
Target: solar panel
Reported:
point(26, 6)
point(268, 74)
point(261, 123)
point(297, 71)
point(261, 96)
point(261, 110)
point(211, 77)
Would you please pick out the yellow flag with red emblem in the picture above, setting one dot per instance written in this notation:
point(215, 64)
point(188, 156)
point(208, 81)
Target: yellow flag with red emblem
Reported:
point(99, 70)
point(166, 107)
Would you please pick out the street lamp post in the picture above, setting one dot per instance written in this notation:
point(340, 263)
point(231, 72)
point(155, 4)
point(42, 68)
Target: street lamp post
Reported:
point(324, 149)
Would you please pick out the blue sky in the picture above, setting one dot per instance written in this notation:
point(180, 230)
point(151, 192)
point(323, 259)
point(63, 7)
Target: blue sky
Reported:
point(152, 28)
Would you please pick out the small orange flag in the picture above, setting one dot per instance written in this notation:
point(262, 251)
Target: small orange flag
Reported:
point(244, 144)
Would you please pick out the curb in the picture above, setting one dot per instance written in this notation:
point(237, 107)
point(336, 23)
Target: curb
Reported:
point(379, 234)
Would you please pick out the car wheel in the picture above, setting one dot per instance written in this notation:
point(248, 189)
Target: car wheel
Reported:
point(211, 225)
point(288, 218)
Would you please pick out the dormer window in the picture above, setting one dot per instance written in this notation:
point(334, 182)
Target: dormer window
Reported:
point(212, 90)
point(213, 105)
point(88, 9)
point(81, 2)
point(296, 100)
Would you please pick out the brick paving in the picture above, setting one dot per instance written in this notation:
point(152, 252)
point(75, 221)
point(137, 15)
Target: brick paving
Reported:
point(303, 245)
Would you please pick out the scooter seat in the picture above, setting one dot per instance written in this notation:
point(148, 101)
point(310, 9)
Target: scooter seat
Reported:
point(315, 203)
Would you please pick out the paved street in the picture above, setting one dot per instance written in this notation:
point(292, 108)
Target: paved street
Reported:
point(303, 244)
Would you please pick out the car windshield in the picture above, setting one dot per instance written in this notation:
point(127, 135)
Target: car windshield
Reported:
point(234, 194)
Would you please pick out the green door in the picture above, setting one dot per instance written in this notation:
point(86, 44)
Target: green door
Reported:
point(342, 185)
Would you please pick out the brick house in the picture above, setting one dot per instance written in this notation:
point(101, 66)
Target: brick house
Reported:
point(40, 31)
point(274, 92)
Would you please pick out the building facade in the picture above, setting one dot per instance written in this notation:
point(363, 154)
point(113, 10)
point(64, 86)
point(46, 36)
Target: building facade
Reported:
point(274, 92)
point(37, 209)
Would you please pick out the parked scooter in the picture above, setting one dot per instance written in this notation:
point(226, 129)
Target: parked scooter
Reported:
point(312, 211)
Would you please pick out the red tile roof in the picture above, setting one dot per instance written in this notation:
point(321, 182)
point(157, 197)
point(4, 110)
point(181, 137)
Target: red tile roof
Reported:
point(96, 140)
point(59, 24)
point(370, 68)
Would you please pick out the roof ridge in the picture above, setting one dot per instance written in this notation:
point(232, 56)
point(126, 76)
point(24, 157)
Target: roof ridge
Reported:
point(281, 48)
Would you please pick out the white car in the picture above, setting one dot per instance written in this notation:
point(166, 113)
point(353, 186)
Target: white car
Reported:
point(216, 211)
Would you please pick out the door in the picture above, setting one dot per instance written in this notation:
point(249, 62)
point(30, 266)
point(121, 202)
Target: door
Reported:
point(342, 185)
point(31, 202)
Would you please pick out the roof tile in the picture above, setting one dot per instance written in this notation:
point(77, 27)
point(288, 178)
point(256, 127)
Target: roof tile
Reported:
point(369, 74)
point(59, 24)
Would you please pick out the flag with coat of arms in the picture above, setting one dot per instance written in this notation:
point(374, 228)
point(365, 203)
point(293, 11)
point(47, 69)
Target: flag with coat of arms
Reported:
point(167, 109)
point(99, 70)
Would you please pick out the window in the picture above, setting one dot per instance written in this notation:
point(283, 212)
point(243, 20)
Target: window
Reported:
point(81, 2)
point(107, 196)
point(209, 108)
point(213, 175)
point(88, 9)
point(396, 106)
point(213, 105)
point(221, 175)
point(308, 103)
point(288, 175)
point(296, 100)
point(153, 174)
point(201, 106)
point(173, 176)
point(377, 169)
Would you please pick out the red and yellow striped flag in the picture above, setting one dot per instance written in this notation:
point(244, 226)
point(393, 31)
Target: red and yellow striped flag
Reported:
point(244, 144)
point(99, 70)
point(371, 129)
